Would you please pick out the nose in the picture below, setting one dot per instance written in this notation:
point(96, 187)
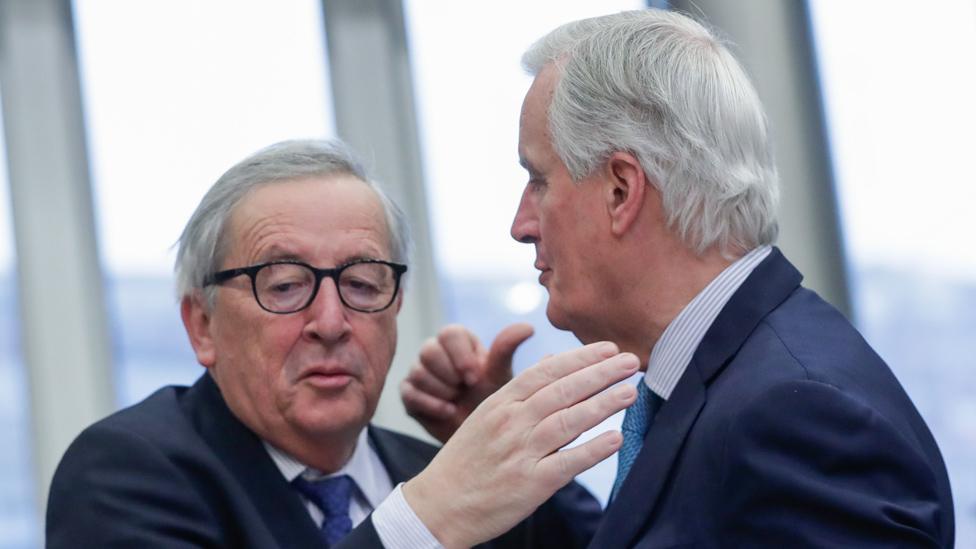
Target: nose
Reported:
point(328, 318)
point(525, 226)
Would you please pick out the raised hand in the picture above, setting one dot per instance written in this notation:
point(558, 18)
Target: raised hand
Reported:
point(455, 372)
point(503, 461)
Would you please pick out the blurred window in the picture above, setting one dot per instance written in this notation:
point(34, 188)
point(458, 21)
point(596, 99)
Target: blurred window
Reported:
point(899, 81)
point(176, 91)
point(18, 510)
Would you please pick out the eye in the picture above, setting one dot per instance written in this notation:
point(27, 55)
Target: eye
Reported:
point(360, 286)
point(284, 287)
point(284, 279)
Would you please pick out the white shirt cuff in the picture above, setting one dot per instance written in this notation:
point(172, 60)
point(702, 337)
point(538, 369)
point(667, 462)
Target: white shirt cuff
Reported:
point(399, 527)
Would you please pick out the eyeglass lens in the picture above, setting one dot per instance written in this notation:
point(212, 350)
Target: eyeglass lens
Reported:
point(286, 287)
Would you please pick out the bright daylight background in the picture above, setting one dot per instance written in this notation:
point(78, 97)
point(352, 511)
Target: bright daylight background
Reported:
point(900, 82)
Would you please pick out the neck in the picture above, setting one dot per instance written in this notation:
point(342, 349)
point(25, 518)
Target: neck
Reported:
point(653, 302)
point(327, 457)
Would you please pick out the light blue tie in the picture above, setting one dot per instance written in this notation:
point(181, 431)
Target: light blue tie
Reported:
point(637, 419)
point(332, 496)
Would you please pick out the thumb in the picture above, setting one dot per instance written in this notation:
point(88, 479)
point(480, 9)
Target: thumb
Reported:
point(499, 360)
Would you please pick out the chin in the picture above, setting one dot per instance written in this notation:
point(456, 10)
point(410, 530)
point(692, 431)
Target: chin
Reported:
point(324, 417)
point(580, 326)
point(557, 317)
point(333, 424)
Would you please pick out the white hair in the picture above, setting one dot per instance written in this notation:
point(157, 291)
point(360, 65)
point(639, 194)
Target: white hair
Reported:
point(662, 87)
point(202, 244)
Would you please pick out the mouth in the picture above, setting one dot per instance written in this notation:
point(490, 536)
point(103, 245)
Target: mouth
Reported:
point(544, 271)
point(327, 378)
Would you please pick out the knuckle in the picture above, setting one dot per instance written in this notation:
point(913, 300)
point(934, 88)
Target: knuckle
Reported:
point(565, 423)
point(547, 370)
point(503, 418)
point(451, 331)
point(429, 350)
point(561, 471)
point(565, 394)
point(406, 389)
point(415, 372)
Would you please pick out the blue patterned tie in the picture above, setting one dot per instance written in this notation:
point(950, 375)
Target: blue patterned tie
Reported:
point(331, 495)
point(637, 419)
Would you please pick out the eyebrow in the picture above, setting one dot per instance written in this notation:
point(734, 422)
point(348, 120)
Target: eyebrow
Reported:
point(277, 253)
point(361, 257)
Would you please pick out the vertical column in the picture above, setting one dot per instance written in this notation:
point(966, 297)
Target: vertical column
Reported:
point(374, 112)
point(773, 39)
point(63, 314)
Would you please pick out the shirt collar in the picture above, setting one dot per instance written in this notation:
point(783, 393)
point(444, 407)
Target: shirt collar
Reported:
point(364, 467)
point(673, 352)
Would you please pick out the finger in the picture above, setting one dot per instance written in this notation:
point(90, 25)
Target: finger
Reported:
point(461, 347)
point(564, 426)
point(435, 359)
point(422, 405)
point(425, 381)
point(556, 367)
point(557, 469)
point(580, 385)
point(499, 360)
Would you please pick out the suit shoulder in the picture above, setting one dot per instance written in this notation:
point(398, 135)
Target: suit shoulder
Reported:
point(818, 336)
point(122, 479)
point(159, 417)
point(393, 439)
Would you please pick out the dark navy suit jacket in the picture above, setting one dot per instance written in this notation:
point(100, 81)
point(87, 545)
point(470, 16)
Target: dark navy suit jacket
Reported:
point(179, 470)
point(786, 430)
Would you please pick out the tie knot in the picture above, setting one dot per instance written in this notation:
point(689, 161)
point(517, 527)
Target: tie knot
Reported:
point(330, 494)
point(637, 416)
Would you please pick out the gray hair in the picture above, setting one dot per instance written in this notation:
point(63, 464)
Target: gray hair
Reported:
point(661, 86)
point(201, 246)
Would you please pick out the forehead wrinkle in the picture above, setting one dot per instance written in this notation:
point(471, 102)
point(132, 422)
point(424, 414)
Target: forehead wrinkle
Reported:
point(277, 235)
point(261, 235)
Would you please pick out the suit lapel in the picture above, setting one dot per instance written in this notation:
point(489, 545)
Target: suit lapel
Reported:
point(401, 461)
point(771, 282)
point(241, 451)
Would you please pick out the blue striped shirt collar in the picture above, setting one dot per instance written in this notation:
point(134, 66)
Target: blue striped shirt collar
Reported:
point(672, 353)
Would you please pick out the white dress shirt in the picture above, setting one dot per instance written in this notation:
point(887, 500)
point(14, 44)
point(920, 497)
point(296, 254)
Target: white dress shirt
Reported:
point(395, 522)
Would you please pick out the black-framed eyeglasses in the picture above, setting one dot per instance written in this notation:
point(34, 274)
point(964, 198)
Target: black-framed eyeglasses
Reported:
point(282, 287)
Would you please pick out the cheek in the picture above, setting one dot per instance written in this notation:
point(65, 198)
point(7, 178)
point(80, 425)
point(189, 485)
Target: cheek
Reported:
point(378, 345)
point(257, 351)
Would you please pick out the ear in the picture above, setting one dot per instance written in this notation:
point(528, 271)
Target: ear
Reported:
point(626, 186)
point(196, 320)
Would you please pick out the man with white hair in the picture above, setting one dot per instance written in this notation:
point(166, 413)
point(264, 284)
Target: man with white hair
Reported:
point(289, 276)
point(763, 417)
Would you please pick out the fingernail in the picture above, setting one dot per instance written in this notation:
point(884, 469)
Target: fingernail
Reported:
point(608, 348)
point(629, 362)
point(624, 392)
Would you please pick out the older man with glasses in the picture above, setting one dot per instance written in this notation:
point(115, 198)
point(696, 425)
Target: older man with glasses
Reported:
point(272, 447)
